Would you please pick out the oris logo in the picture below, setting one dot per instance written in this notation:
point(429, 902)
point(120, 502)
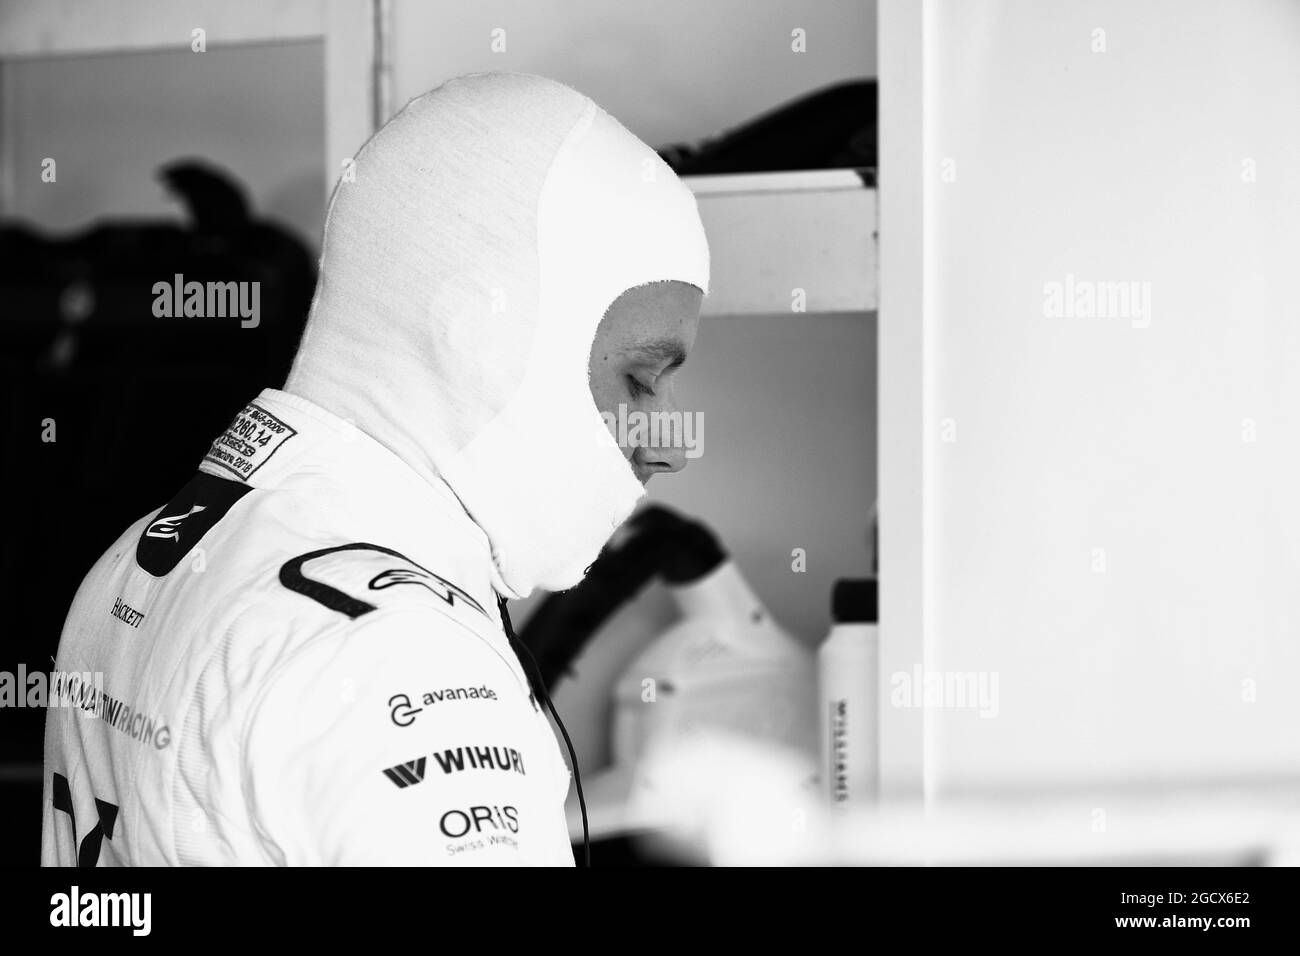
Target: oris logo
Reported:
point(459, 823)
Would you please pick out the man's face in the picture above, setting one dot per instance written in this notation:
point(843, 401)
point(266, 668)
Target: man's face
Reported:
point(641, 343)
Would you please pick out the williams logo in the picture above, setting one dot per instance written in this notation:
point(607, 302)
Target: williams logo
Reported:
point(403, 712)
point(170, 526)
point(839, 777)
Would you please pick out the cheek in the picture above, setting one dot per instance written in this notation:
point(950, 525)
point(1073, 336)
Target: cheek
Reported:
point(602, 387)
point(609, 391)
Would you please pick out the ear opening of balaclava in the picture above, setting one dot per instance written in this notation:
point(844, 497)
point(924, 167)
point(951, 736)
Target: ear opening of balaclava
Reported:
point(468, 258)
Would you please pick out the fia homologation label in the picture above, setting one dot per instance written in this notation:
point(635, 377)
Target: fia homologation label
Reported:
point(252, 438)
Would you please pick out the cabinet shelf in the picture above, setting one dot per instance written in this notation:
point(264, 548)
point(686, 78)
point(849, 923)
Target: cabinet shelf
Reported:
point(773, 233)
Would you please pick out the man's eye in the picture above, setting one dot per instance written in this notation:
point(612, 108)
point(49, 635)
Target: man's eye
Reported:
point(636, 388)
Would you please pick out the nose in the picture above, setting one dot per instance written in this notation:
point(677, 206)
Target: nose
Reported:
point(668, 428)
point(652, 461)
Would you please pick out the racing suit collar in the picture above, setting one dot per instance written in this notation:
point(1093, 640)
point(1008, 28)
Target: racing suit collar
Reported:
point(329, 455)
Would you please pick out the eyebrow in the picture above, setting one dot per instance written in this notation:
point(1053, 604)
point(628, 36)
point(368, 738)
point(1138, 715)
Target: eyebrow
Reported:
point(662, 350)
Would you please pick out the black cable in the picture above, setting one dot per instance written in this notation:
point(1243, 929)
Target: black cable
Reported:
point(540, 686)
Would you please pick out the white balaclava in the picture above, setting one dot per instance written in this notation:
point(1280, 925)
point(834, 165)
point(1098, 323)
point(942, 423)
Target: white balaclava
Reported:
point(468, 258)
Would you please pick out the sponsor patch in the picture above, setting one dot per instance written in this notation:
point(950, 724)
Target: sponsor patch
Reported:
point(480, 827)
point(407, 774)
point(126, 614)
point(403, 712)
point(480, 758)
point(182, 523)
point(479, 819)
point(71, 690)
point(249, 442)
point(458, 760)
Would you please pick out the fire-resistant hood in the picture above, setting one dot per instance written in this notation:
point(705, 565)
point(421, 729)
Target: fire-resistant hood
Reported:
point(469, 254)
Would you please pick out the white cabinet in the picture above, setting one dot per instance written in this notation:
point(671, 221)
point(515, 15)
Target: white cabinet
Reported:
point(790, 242)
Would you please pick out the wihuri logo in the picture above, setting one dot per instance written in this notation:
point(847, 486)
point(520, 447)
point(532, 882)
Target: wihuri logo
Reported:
point(1085, 299)
point(208, 300)
point(102, 909)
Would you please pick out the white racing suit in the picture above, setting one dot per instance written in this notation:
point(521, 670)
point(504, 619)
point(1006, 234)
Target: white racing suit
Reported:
point(298, 660)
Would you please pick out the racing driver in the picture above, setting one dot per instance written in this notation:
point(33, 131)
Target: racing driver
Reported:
point(303, 658)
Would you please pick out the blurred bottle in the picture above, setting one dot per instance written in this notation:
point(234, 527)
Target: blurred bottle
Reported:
point(848, 695)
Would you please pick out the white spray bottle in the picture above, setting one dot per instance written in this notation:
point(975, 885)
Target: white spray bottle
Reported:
point(848, 664)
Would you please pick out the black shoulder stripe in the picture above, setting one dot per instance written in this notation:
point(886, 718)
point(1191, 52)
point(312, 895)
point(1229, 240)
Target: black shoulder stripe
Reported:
point(183, 521)
point(293, 576)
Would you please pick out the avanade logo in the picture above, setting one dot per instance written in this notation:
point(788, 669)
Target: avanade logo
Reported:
point(403, 712)
point(102, 909)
